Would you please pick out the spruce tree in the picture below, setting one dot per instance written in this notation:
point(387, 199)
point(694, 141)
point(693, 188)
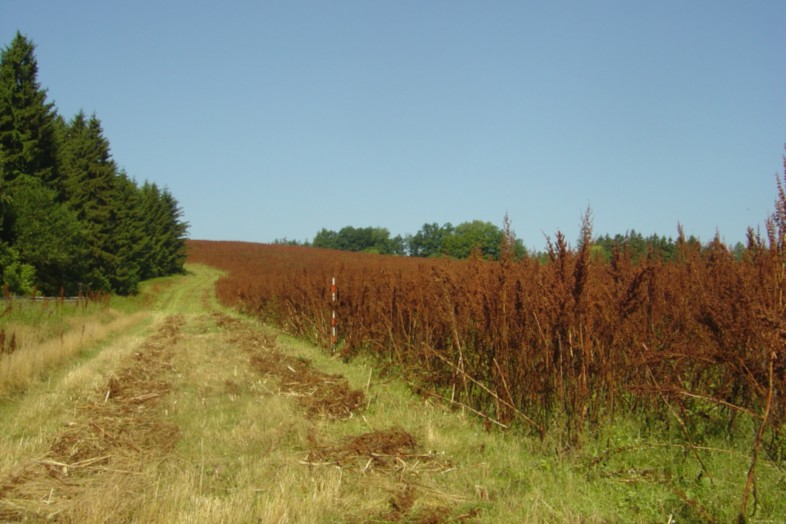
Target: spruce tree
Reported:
point(89, 183)
point(155, 222)
point(27, 132)
point(27, 149)
point(174, 235)
point(165, 232)
point(47, 235)
point(129, 241)
point(68, 216)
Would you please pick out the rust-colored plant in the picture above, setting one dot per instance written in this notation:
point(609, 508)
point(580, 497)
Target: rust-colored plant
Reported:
point(560, 344)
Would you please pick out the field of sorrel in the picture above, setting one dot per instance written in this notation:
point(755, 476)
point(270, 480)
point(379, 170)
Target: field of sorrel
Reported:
point(557, 345)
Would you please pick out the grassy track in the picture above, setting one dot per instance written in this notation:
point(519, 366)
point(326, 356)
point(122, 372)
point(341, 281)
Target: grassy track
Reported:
point(194, 414)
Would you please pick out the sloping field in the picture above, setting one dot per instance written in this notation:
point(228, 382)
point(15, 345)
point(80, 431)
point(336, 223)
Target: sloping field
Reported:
point(196, 414)
point(665, 375)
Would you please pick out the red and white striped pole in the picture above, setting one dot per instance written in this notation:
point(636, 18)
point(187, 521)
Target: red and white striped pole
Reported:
point(333, 321)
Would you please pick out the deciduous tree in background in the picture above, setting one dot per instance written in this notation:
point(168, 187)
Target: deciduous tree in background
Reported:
point(476, 235)
point(361, 239)
point(429, 240)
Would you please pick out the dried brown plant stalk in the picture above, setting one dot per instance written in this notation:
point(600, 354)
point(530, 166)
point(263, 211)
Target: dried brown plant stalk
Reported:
point(549, 341)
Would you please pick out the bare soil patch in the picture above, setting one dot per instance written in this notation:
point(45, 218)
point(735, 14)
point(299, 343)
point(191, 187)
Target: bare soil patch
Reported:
point(386, 449)
point(116, 432)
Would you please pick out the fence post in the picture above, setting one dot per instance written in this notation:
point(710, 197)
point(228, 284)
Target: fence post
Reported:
point(333, 321)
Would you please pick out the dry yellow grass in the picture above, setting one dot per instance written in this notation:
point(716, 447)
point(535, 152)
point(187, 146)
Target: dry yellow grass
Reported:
point(64, 442)
point(243, 438)
point(35, 359)
point(31, 421)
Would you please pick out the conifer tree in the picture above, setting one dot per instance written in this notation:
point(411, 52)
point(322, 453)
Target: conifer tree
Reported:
point(27, 132)
point(129, 241)
point(47, 235)
point(89, 185)
point(174, 235)
point(68, 216)
point(165, 232)
point(27, 149)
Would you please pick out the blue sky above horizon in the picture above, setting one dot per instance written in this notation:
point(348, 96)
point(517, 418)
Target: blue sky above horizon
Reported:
point(276, 119)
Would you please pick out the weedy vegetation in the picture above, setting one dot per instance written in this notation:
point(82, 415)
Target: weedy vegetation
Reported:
point(666, 374)
point(38, 334)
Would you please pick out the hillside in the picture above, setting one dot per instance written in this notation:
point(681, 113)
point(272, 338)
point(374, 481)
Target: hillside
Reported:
point(192, 413)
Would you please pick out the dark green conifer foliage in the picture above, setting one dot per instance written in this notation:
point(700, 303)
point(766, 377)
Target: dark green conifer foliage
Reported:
point(89, 183)
point(174, 235)
point(47, 235)
point(68, 216)
point(27, 133)
point(129, 241)
point(165, 232)
point(27, 149)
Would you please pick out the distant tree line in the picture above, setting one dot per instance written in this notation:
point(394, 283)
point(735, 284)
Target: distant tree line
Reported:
point(486, 240)
point(637, 245)
point(664, 248)
point(70, 219)
point(366, 239)
point(432, 240)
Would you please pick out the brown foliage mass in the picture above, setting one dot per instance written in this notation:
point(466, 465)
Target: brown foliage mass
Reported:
point(573, 338)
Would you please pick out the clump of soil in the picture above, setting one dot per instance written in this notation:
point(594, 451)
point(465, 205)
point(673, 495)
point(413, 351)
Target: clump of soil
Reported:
point(322, 394)
point(395, 456)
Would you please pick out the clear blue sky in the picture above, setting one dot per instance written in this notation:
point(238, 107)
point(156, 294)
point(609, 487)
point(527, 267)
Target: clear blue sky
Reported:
point(276, 119)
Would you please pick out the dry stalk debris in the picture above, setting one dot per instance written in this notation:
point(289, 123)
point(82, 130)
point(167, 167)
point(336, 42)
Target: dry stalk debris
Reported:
point(116, 432)
point(321, 394)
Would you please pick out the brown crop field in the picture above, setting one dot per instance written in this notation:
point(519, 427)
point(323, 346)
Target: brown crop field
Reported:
point(557, 345)
point(562, 344)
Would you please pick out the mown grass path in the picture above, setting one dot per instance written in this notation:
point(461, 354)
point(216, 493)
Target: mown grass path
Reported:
point(194, 413)
point(202, 416)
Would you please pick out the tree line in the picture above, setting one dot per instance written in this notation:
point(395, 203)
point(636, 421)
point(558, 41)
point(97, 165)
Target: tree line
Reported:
point(432, 240)
point(70, 219)
point(486, 239)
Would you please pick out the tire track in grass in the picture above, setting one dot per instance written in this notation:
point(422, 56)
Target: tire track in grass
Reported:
point(114, 434)
point(157, 444)
point(392, 456)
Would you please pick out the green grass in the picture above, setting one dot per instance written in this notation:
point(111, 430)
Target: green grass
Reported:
point(49, 318)
point(44, 319)
point(626, 471)
point(242, 447)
